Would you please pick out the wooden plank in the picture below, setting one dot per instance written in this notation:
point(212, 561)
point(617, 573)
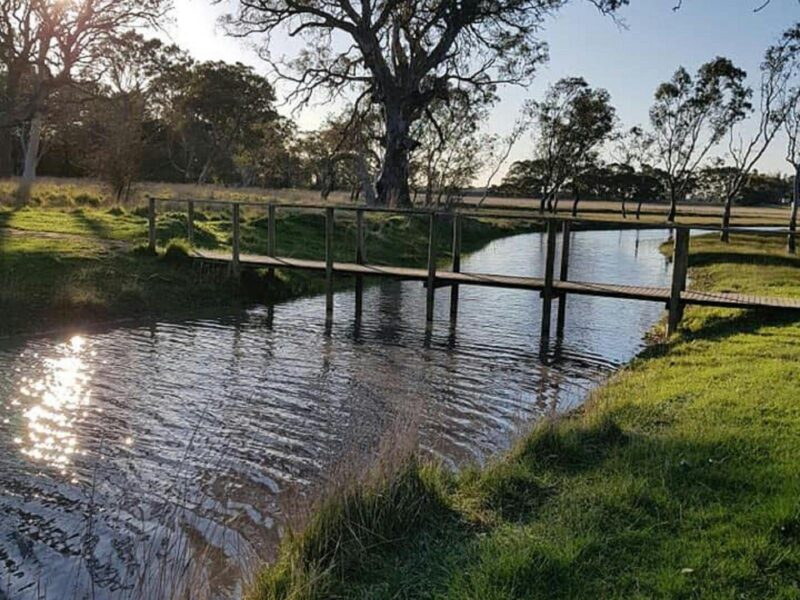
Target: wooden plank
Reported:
point(605, 290)
point(680, 267)
point(431, 280)
point(329, 263)
point(151, 224)
point(547, 291)
point(456, 267)
point(563, 276)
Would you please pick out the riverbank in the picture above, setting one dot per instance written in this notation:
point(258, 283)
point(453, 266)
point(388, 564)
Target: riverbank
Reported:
point(77, 266)
point(678, 479)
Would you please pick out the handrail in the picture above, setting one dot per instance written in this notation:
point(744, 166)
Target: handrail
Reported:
point(519, 214)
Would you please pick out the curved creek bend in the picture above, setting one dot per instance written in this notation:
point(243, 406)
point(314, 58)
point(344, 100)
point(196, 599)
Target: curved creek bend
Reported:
point(137, 460)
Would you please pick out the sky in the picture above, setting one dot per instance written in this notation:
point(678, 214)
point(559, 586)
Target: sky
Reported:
point(628, 60)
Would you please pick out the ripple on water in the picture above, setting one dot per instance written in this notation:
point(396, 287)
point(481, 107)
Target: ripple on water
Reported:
point(135, 459)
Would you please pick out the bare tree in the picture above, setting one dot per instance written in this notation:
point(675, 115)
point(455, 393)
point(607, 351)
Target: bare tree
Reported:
point(407, 54)
point(779, 92)
point(45, 44)
point(690, 116)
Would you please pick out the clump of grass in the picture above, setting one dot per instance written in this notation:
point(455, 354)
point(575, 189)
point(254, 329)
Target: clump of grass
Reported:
point(679, 479)
point(178, 252)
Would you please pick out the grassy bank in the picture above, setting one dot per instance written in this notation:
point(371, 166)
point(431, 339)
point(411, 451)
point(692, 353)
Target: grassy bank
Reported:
point(679, 479)
point(72, 266)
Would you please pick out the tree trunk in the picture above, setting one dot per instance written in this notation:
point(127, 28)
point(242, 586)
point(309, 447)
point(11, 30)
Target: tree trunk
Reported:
point(392, 186)
point(624, 210)
point(639, 209)
point(6, 156)
point(791, 242)
point(673, 208)
point(365, 179)
point(724, 235)
point(31, 158)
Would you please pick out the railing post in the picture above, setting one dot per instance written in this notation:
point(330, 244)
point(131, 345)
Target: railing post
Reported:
point(271, 236)
point(431, 268)
point(329, 264)
point(456, 266)
point(190, 222)
point(547, 292)
point(680, 267)
point(151, 224)
point(360, 259)
point(235, 235)
point(563, 275)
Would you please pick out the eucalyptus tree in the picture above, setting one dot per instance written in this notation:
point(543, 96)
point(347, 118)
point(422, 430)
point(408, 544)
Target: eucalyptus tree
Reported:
point(46, 45)
point(404, 55)
point(569, 126)
point(779, 92)
point(690, 116)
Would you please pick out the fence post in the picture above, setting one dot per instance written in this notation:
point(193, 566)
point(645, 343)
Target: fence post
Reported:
point(151, 223)
point(431, 268)
point(547, 292)
point(680, 267)
point(360, 259)
point(235, 234)
point(562, 297)
point(329, 264)
point(456, 267)
point(190, 222)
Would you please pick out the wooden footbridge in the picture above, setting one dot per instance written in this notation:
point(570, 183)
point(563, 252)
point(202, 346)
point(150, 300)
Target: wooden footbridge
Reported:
point(550, 287)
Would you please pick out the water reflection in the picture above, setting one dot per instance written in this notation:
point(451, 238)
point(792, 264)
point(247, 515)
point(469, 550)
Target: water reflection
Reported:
point(56, 403)
point(160, 454)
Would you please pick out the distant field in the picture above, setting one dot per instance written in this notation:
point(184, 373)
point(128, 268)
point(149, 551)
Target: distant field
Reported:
point(66, 193)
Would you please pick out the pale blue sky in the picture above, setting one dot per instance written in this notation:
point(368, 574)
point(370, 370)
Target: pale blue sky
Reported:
point(629, 62)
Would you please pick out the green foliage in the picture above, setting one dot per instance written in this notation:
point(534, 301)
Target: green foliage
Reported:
point(678, 480)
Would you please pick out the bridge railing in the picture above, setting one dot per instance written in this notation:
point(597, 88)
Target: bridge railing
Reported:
point(552, 224)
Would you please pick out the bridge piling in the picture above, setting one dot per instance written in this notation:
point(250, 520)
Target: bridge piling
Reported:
point(360, 259)
point(190, 222)
point(431, 269)
point(563, 276)
point(456, 267)
point(151, 224)
point(547, 291)
point(680, 267)
point(271, 236)
point(329, 264)
point(235, 237)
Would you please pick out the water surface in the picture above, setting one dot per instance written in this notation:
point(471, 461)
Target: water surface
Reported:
point(138, 459)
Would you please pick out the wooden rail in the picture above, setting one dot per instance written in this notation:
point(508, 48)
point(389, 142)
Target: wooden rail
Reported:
point(675, 298)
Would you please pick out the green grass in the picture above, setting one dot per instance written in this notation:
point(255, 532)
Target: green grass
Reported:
point(680, 479)
point(71, 266)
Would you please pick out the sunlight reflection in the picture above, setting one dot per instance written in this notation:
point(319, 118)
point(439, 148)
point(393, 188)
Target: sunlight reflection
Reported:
point(58, 401)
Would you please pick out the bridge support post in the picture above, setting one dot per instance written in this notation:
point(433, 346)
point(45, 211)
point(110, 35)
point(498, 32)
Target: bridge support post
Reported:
point(360, 259)
point(431, 269)
point(329, 264)
point(235, 236)
point(563, 276)
point(190, 222)
point(151, 224)
point(680, 267)
point(456, 267)
point(271, 236)
point(547, 292)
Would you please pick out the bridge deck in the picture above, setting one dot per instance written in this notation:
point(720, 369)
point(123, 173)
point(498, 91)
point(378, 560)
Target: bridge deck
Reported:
point(608, 290)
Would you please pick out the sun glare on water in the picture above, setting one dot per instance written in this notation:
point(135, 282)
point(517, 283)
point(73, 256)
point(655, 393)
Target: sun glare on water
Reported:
point(57, 401)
